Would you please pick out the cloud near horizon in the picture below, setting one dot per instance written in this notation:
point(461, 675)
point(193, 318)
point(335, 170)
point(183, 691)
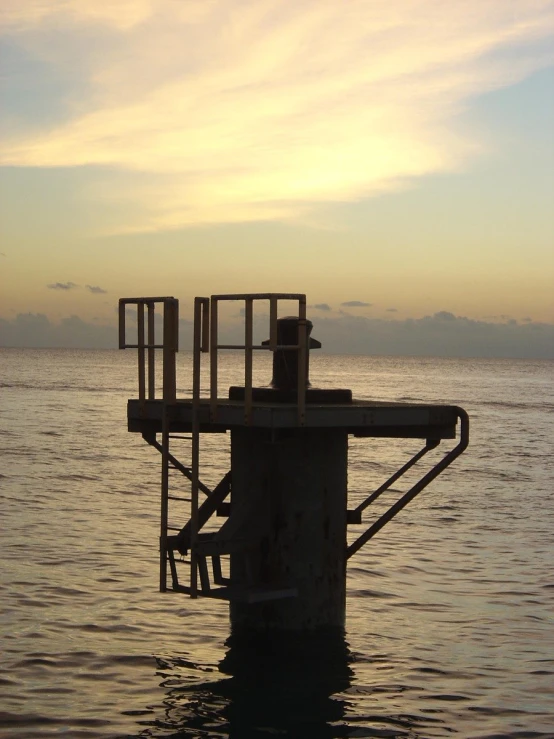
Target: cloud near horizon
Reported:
point(442, 334)
point(96, 289)
point(356, 304)
point(230, 112)
point(62, 286)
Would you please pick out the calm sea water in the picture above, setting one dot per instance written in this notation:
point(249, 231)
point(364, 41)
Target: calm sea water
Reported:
point(450, 626)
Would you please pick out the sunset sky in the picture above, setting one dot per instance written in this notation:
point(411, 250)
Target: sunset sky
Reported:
point(394, 161)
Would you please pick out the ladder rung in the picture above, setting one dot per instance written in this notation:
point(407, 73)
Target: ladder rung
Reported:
point(174, 528)
point(177, 436)
point(176, 497)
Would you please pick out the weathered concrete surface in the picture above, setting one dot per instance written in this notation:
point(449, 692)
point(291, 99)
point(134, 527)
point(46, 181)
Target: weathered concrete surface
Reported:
point(289, 497)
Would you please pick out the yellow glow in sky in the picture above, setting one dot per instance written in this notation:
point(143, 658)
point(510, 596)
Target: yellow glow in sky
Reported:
point(357, 150)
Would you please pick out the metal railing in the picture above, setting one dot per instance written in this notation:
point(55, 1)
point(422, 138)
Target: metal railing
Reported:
point(249, 347)
point(146, 344)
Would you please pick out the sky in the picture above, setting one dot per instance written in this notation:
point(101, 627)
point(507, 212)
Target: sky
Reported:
point(394, 161)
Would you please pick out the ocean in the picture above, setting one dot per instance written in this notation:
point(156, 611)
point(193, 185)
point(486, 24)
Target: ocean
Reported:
point(450, 608)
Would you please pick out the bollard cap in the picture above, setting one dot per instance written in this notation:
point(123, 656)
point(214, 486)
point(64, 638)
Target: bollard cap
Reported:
point(283, 387)
point(287, 332)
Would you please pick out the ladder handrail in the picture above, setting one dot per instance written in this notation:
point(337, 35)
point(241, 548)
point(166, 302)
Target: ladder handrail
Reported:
point(146, 348)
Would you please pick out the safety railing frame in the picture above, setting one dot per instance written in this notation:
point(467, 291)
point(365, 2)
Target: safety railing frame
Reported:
point(249, 347)
point(146, 345)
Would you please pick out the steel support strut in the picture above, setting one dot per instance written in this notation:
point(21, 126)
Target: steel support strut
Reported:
point(416, 489)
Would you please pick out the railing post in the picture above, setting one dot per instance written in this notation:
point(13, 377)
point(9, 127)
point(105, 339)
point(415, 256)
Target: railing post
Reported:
point(198, 341)
point(121, 331)
point(140, 350)
point(205, 347)
point(151, 353)
point(302, 360)
point(273, 322)
point(213, 357)
point(248, 341)
point(169, 391)
point(170, 344)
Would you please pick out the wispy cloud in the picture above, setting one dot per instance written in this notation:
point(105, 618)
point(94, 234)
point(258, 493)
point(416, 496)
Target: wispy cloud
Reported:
point(121, 14)
point(356, 304)
point(260, 110)
point(321, 306)
point(96, 289)
point(61, 286)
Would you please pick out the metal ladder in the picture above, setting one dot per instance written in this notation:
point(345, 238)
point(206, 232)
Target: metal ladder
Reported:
point(188, 540)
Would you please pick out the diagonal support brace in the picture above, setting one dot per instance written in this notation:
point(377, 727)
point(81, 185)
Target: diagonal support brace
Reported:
point(416, 489)
point(186, 471)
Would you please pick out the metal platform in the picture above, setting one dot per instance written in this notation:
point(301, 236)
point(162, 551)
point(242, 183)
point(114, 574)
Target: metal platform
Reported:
point(361, 418)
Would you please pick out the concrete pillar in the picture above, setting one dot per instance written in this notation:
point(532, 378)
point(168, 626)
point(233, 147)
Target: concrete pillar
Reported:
point(288, 504)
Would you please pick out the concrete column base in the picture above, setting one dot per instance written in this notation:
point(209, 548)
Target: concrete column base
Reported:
point(288, 504)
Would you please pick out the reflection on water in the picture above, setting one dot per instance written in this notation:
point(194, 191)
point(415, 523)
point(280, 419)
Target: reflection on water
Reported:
point(282, 684)
point(288, 685)
point(449, 620)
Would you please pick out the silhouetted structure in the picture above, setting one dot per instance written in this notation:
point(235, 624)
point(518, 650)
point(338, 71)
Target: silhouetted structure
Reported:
point(285, 496)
